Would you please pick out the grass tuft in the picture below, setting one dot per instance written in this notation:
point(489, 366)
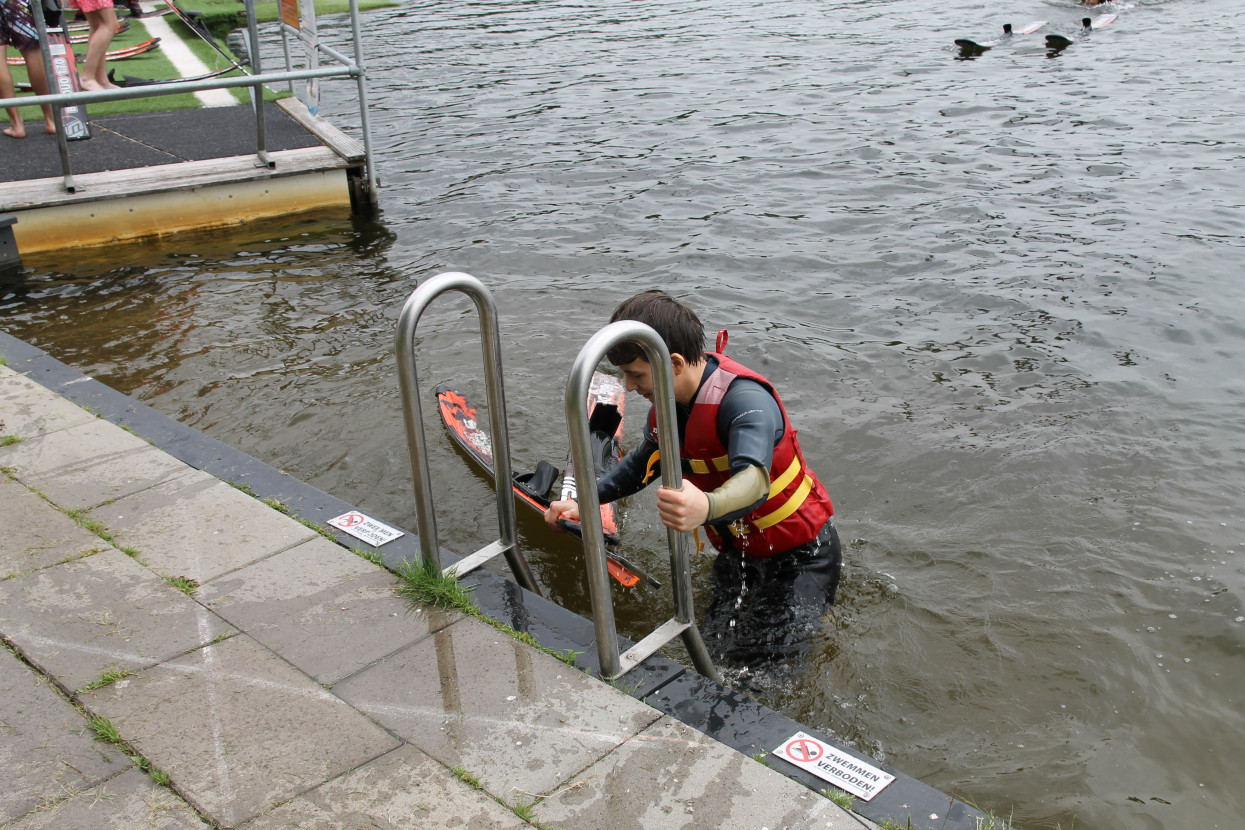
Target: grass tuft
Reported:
point(467, 778)
point(104, 730)
point(844, 800)
point(425, 582)
point(88, 522)
point(109, 675)
point(10, 440)
point(184, 584)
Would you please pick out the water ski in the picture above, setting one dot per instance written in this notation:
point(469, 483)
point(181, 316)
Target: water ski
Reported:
point(973, 48)
point(1088, 25)
point(604, 422)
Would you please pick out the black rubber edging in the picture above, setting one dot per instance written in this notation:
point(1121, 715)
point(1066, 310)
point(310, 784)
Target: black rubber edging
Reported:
point(708, 707)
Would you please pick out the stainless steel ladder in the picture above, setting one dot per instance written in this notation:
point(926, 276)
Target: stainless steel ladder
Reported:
point(684, 621)
point(417, 446)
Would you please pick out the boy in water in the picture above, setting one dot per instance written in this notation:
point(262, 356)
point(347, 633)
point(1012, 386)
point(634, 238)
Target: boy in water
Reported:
point(745, 481)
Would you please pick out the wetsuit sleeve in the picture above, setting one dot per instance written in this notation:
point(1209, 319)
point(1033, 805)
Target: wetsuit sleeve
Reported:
point(633, 471)
point(752, 424)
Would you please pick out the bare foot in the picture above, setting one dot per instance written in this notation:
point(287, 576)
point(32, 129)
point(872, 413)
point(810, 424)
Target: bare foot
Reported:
point(89, 84)
point(15, 131)
point(50, 126)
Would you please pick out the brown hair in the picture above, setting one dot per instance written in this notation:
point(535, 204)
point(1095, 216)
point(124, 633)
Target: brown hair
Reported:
point(679, 327)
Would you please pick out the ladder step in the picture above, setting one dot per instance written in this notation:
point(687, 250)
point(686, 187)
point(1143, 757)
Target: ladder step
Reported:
point(469, 563)
point(644, 649)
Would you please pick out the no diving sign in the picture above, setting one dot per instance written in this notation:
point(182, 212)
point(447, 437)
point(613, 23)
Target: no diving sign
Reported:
point(845, 772)
point(365, 528)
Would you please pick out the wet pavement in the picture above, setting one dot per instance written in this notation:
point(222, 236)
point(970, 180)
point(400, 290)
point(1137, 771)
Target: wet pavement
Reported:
point(250, 672)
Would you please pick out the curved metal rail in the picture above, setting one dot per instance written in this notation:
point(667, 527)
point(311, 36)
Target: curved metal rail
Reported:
point(684, 621)
point(417, 446)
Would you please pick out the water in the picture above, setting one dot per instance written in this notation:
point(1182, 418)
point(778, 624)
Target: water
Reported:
point(1000, 297)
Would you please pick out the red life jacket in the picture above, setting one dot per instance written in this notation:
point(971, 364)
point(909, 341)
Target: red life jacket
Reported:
point(798, 505)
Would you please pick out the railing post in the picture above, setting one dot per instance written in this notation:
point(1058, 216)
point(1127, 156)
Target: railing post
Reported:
point(412, 410)
point(684, 622)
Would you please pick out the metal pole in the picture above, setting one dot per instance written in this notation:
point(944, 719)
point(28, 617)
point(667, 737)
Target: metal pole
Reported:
point(257, 92)
point(373, 184)
point(408, 381)
point(45, 53)
point(585, 364)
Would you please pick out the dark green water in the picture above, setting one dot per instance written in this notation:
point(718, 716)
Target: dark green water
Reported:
point(1001, 298)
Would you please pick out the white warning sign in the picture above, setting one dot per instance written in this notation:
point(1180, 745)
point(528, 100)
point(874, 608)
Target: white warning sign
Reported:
point(843, 771)
point(365, 528)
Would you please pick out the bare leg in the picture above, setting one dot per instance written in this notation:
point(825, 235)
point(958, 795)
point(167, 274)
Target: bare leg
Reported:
point(94, 75)
point(39, 83)
point(16, 128)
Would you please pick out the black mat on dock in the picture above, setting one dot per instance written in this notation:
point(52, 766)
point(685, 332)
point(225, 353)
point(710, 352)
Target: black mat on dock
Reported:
point(124, 142)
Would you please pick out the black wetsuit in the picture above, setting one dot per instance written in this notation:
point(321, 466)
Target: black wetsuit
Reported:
point(758, 608)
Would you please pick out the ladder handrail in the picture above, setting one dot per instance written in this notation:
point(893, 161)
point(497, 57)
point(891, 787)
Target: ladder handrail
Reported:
point(684, 623)
point(412, 411)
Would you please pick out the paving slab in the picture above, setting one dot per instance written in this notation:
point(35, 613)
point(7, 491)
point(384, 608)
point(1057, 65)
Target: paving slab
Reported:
point(199, 527)
point(237, 729)
point(322, 608)
point(45, 748)
point(89, 464)
point(77, 619)
point(36, 534)
point(401, 790)
point(516, 718)
point(129, 801)
point(671, 776)
point(27, 410)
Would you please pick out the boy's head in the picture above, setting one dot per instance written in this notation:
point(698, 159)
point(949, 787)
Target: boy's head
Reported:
point(677, 325)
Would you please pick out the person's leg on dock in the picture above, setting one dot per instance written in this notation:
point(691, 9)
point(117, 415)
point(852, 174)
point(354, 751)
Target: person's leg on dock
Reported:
point(17, 29)
point(39, 84)
point(102, 18)
point(16, 128)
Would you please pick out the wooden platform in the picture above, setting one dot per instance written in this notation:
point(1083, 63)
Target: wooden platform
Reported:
point(130, 202)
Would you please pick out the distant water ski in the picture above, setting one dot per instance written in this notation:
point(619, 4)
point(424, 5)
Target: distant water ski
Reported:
point(533, 488)
point(112, 55)
point(1088, 25)
point(972, 47)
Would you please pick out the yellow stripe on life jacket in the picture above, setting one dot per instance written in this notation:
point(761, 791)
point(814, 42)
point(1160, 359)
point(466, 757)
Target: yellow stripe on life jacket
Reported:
point(701, 467)
point(788, 475)
point(792, 505)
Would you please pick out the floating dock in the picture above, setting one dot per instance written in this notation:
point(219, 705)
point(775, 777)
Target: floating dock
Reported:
point(154, 174)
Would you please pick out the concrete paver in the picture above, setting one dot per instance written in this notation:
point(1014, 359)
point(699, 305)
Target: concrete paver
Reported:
point(129, 801)
point(27, 409)
point(326, 610)
point(89, 464)
point(521, 720)
point(79, 618)
point(670, 776)
point(45, 749)
point(398, 791)
point(237, 729)
point(197, 526)
point(36, 534)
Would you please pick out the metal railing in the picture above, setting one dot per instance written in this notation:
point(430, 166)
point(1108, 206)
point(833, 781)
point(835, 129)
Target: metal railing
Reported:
point(417, 445)
point(349, 68)
point(684, 621)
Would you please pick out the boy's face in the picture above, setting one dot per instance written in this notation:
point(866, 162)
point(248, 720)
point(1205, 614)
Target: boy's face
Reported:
point(638, 376)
